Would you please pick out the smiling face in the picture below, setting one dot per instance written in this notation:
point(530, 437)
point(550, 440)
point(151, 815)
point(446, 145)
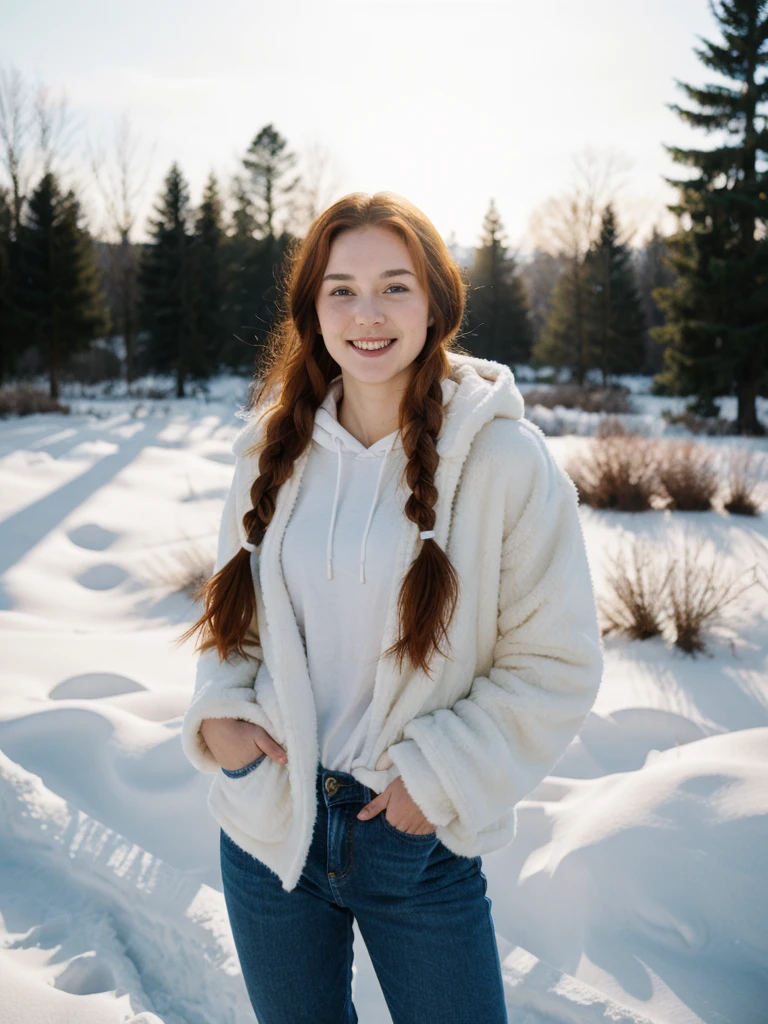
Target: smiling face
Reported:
point(370, 290)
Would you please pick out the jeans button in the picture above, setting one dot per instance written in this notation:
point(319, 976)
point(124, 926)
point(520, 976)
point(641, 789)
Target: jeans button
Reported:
point(331, 785)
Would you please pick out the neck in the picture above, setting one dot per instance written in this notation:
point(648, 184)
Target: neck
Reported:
point(370, 411)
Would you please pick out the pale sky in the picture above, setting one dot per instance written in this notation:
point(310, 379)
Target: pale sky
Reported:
point(447, 102)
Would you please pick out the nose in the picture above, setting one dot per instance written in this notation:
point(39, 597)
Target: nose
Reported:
point(367, 312)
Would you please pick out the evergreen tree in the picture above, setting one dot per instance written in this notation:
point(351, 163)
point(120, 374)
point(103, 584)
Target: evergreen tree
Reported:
point(209, 286)
point(564, 342)
point(253, 249)
point(652, 271)
point(540, 275)
point(7, 335)
point(269, 163)
point(122, 274)
point(615, 324)
point(60, 292)
point(716, 329)
point(497, 306)
point(167, 282)
point(244, 219)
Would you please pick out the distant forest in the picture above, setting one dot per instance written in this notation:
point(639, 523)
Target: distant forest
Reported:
point(201, 294)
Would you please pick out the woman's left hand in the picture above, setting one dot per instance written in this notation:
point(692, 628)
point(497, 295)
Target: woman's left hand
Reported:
point(405, 815)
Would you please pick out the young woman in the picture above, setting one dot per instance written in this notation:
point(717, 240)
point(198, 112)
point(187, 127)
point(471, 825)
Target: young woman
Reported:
point(399, 640)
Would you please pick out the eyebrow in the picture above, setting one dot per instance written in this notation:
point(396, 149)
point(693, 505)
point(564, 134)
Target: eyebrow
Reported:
point(385, 273)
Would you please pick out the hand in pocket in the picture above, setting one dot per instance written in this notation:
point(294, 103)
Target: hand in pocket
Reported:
point(235, 743)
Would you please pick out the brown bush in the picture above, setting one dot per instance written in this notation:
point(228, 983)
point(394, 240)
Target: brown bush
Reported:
point(745, 471)
point(688, 474)
point(610, 426)
point(183, 568)
point(638, 583)
point(574, 396)
point(713, 426)
point(697, 593)
point(617, 472)
point(23, 400)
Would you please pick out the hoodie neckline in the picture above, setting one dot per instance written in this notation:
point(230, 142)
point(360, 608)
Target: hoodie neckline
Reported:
point(330, 433)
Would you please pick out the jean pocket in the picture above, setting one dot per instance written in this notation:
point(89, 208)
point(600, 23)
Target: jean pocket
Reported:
point(416, 836)
point(237, 773)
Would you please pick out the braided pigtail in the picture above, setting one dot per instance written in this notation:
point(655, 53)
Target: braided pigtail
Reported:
point(430, 590)
point(228, 620)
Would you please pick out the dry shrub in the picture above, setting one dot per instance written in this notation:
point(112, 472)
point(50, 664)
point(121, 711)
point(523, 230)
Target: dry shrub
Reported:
point(610, 426)
point(713, 426)
point(23, 400)
point(618, 471)
point(697, 592)
point(745, 471)
point(638, 583)
point(183, 568)
point(670, 585)
point(575, 396)
point(688, 474)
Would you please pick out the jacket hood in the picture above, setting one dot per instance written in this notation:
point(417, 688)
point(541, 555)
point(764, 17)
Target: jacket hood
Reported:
point(477, 391)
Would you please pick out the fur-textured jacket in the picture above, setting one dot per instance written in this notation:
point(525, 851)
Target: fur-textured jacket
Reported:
point(522, 671)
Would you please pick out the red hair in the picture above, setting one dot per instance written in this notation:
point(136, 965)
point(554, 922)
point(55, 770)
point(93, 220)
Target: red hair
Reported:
point(298, 368)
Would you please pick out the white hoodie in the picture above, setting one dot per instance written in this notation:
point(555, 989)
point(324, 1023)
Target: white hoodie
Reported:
point(338, 567)
point(520, 673)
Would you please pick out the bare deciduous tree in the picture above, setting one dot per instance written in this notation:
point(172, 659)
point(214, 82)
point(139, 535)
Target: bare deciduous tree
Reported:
point(566, 225)
point(56, 130)
point(121, 183)
point(16, 123)
point(320, 180)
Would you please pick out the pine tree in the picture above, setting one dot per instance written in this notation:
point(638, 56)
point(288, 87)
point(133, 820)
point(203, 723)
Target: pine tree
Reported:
point(60, 292)
point(564, 340)
point(653, 271)
point(716, 329)
point(167, 283)
point(540, 275)
point(268, 163)
point(7, 334)
point(497, 306)
point(615, 323)
point(254, 245)
point(209, 288)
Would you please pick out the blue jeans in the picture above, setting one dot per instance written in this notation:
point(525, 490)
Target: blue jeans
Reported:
point(422, 911)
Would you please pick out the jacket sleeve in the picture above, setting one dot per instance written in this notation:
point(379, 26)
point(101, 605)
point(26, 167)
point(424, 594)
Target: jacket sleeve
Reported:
point(223, 689)
point(467, 766)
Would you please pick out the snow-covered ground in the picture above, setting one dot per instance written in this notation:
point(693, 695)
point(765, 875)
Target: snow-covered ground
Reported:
point(634, 892)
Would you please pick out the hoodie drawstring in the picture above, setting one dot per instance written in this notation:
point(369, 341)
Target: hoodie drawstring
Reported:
point(329, 548)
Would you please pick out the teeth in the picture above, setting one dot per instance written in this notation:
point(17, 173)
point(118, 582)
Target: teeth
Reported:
point(371, 345)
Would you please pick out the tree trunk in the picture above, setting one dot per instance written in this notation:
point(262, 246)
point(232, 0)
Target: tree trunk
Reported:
point(54, 362)
point(746, 416)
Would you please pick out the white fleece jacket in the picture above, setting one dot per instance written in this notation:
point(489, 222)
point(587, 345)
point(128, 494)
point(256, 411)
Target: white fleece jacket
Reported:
point(522, 673)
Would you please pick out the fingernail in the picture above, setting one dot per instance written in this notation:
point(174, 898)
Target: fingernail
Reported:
point(363, 814)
